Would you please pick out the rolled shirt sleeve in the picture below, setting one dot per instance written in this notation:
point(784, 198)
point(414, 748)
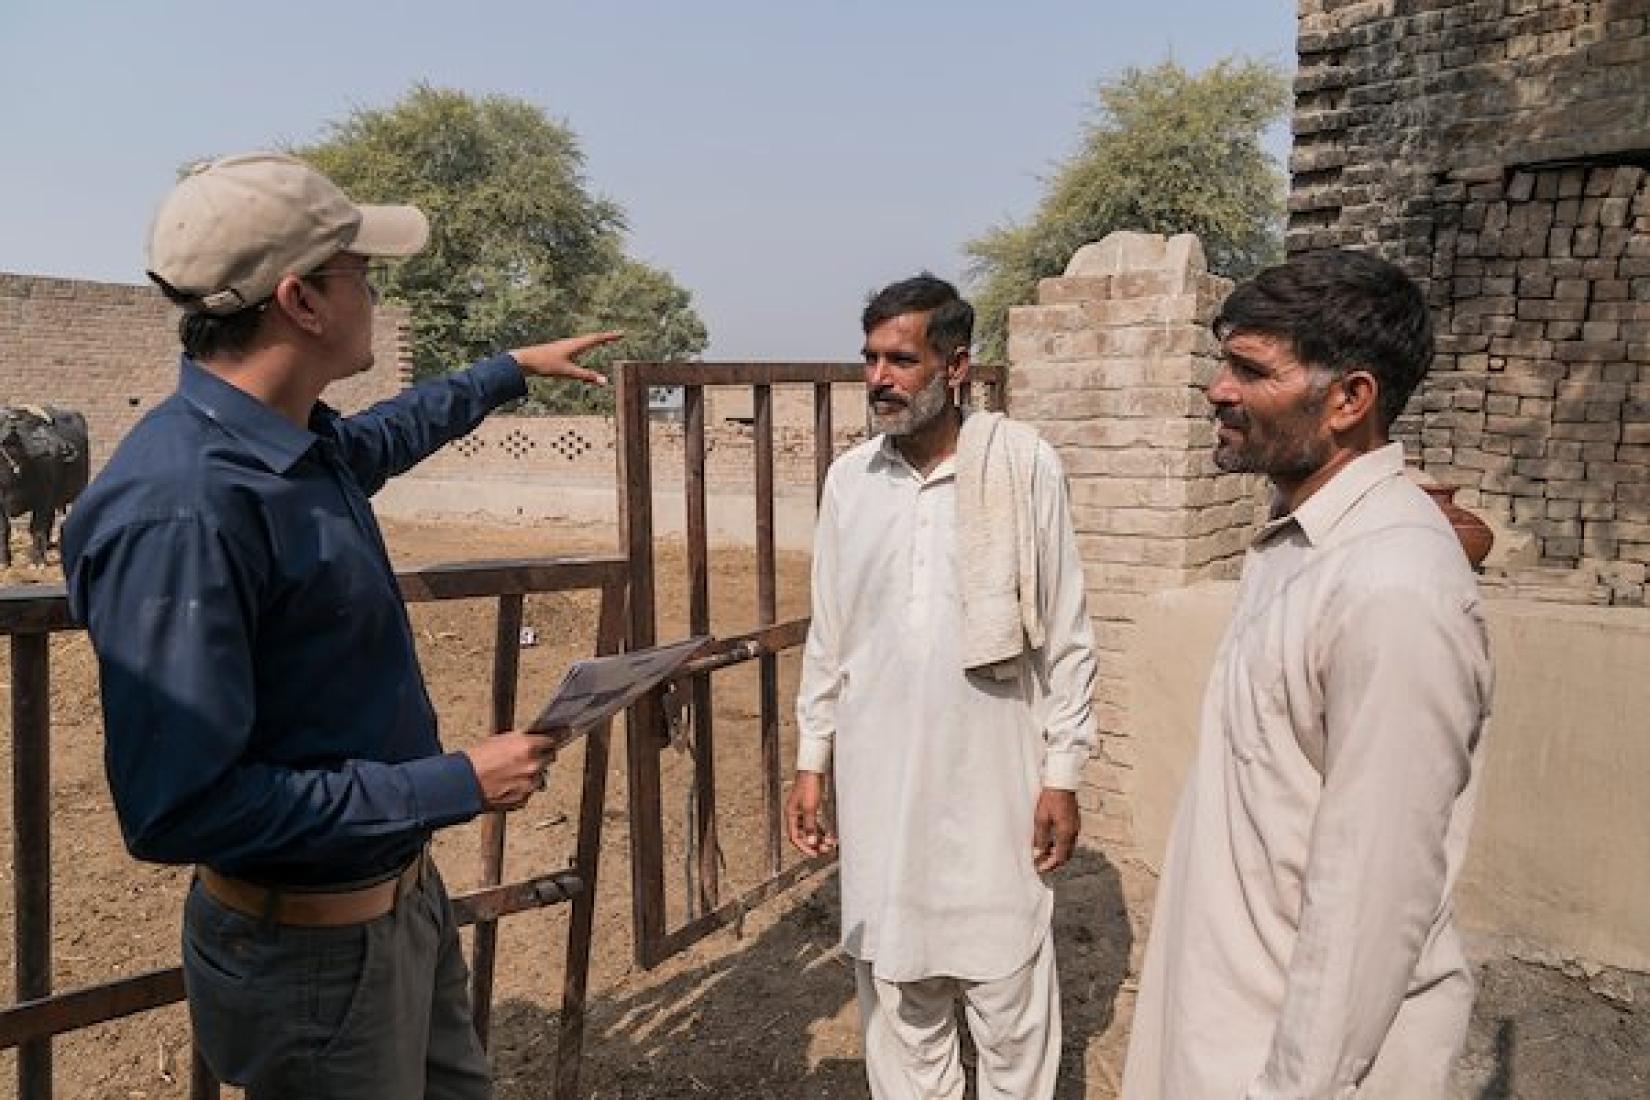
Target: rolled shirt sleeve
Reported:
point(394, 435)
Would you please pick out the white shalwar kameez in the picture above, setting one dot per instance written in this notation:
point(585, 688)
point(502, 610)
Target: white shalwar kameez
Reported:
point(1303, 944)
point(938, 771)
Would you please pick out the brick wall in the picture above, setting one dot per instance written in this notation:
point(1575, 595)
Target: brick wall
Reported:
point(1541, 401)
point(111, 351)
point(1496, 150)
point(1110, 367)
point(793, 407)
point(1391, 97)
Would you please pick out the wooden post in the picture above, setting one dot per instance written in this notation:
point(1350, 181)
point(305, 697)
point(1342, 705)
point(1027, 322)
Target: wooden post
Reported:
point(644, 723)
point(703, 895)
point(576, 972)
point(506, 667)
point(767, 609)
point(32, 845)
point(824, 441)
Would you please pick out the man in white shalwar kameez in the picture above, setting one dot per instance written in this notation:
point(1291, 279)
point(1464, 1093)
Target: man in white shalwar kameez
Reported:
point(1303, 946)
point(954, 788)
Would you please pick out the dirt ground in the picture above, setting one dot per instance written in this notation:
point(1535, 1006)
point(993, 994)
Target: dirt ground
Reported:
point(760, 1010)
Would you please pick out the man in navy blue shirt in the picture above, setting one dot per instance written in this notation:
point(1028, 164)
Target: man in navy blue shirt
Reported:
point(266, 717)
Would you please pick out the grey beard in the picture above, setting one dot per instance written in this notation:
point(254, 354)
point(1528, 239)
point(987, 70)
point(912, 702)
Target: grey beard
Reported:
point(927, 405)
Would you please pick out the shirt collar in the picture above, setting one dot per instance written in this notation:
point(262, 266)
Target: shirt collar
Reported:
point(1319, 513)
point(888, 456)
point(267, 435)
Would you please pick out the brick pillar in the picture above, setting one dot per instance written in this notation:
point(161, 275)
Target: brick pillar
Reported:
point(1110, 367)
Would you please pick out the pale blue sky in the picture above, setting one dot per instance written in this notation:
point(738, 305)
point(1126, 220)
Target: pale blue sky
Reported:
point(779, 158)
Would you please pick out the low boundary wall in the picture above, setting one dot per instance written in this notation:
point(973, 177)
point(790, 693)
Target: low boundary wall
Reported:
point(1560, 853)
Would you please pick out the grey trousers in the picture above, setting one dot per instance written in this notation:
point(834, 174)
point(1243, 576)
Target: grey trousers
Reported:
point(376, 1010)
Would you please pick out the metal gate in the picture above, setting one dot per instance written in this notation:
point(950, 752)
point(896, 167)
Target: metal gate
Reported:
point(650, 720)
point(29, 616)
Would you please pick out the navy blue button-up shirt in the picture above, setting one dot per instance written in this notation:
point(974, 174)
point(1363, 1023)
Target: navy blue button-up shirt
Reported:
point(263, 706)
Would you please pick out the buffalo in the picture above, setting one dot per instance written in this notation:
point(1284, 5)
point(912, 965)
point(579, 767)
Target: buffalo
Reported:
point(44, 462)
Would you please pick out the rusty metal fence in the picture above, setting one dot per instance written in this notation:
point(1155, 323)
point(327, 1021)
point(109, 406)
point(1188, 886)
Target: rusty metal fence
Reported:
point(649, 723)
point(29, 616)
point(627, 619)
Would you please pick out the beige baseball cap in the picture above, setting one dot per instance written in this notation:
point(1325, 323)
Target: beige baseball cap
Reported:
point(233, 228)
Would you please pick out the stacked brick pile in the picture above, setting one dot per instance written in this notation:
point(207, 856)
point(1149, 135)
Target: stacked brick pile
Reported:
point(1496, 150)
point(1541, 399)
point(1110, 368)
point(1389, 97)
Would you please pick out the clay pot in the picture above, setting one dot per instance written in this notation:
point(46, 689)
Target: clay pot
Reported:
point(1475, 535)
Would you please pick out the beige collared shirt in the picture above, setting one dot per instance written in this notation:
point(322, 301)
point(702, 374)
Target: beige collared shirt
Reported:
point(937, 771)
point(1302, 945)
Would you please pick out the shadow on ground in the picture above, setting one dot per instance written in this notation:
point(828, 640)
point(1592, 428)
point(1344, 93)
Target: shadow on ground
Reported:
point(1092, 940)
point(772, 1015)
point(1539, 1033)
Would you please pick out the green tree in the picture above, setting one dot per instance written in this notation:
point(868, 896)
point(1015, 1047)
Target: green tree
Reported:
point(1168, 151)
point(520, 249)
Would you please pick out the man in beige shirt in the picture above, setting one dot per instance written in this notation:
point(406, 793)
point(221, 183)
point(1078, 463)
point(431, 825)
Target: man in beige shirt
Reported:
point(954, 784)
point(1303, 946)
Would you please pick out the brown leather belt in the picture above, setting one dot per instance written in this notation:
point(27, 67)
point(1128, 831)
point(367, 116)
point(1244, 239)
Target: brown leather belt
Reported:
point(312, 909)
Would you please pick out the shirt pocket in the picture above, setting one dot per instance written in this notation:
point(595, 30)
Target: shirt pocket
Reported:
point(1255, 693)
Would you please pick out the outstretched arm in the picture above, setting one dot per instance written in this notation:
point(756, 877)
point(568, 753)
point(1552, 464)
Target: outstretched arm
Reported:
point(395, 435)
